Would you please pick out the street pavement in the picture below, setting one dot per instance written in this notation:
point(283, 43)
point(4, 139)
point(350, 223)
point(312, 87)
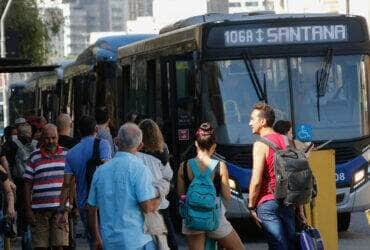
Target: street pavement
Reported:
point(356, 238)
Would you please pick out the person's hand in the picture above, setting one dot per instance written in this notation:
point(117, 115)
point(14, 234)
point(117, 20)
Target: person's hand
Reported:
point(61, 219)
point(30, 217)
point(302, 217)
point(13, 186)
point(11, 212)
point(254, 217)
point(98, 244)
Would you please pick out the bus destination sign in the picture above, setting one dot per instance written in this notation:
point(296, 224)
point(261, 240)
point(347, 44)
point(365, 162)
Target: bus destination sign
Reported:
point(244, 36)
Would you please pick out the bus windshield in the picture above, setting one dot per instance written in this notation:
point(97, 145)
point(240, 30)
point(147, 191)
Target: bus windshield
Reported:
point(339, 112)
point(229, 94)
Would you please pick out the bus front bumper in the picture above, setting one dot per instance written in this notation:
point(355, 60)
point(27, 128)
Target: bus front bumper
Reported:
point(355, 201)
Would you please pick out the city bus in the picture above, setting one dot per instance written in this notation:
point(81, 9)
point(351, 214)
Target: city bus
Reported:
point(39, 95)
point(91, 81)
point(312, 68)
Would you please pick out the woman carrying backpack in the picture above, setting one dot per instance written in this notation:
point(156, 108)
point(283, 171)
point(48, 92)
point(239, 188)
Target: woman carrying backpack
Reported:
point(210, 178)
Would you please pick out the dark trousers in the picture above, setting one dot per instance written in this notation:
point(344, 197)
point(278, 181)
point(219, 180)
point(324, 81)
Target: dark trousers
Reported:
point(23, 228)
point(278, 224)
point(171, 237)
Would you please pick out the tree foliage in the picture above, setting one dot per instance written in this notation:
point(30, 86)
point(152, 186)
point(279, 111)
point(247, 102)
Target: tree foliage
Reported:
point(25, 19)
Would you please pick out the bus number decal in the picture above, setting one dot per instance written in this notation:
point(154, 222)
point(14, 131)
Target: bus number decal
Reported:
point(340, 177)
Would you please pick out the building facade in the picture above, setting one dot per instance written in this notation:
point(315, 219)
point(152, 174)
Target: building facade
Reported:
point(238, 6)
point(218, 6)
point(87, 16)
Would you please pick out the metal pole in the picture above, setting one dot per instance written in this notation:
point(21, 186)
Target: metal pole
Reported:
point(3, 55)
point(2, 30)
point(347, 7)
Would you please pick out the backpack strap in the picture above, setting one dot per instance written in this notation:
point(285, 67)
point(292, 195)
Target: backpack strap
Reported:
point(268, 143)
point(216, 180)
point(185, 174)
point(96, 151)
point(194, 168)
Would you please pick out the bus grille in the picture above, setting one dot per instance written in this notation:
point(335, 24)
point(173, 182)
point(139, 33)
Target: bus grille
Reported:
point(340, 198)
point(345, 154)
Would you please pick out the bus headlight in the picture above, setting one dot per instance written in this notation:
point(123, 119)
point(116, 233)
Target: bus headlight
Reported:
point(359, 178)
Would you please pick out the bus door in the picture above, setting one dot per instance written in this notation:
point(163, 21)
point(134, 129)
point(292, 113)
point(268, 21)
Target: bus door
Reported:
point(179, 105)
point(167, 108)
point(186, 107)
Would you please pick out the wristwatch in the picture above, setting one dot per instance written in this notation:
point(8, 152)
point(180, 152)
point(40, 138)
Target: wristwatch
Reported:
point(251, 208)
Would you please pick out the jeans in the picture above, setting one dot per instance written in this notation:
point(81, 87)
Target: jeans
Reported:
point(83, 217)
point(278, 224)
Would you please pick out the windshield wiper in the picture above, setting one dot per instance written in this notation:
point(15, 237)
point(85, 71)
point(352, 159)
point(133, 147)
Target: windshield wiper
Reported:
point(261, 92)
point(322, 77)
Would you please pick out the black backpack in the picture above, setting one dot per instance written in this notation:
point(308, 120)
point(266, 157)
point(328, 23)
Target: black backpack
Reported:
point(93, 163)
point(294, 179)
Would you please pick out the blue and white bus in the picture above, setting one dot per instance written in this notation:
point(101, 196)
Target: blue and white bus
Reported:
point(314, 69)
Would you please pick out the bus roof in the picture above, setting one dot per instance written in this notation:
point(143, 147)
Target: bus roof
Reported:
point(105, 48)
point(191, 30)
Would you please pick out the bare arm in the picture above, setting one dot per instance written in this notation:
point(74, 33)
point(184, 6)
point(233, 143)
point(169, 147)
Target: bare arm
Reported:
point(66, 189)
point(93, 224)
point(259, 159)
point(151, 205)
point(5, 164)
point(9, 198)
point(5, 169)
point(225, 187)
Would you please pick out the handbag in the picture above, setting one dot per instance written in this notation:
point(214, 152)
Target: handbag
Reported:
point(310, 239)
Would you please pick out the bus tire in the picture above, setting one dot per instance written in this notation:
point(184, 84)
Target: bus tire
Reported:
point(344, 219)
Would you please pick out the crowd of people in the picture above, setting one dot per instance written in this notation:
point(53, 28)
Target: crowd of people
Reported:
point(124, 204)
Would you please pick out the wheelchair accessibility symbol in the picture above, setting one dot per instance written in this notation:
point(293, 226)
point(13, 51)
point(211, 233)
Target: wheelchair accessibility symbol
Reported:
point(304, 132)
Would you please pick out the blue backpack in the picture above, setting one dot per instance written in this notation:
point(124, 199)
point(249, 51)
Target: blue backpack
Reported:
point(201, 211)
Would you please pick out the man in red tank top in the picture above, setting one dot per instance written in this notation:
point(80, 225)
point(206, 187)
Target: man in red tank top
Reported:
point(276, 219)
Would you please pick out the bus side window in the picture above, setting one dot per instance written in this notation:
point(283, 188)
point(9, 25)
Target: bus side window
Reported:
point(126, 79)
point(151, 87)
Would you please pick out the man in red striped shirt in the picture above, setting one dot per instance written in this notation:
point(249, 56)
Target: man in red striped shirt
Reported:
point(43, 184)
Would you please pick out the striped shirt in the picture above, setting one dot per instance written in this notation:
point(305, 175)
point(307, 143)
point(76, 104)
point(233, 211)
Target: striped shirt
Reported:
point(46, 173)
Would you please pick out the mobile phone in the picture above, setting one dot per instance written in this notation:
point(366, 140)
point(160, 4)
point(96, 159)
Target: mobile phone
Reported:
point(309, 147)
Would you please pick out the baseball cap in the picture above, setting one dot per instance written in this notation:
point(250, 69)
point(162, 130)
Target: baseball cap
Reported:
point(19, 121)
